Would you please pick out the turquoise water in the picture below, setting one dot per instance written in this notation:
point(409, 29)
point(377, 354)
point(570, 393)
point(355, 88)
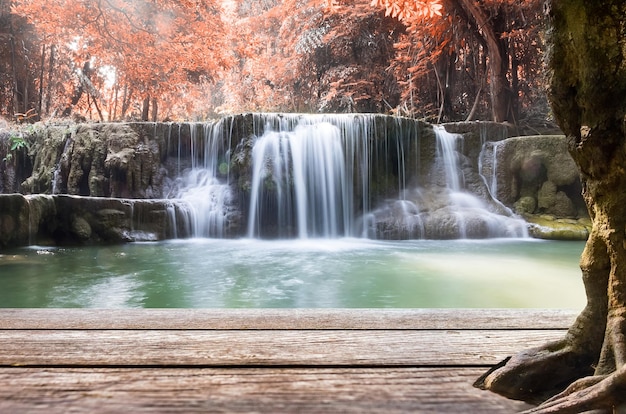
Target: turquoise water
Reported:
point(342, 273)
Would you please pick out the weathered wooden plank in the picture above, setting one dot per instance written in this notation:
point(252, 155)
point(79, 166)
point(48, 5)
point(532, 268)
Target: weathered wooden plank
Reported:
point(264, 347)
point(286, 318)
point(262, 390)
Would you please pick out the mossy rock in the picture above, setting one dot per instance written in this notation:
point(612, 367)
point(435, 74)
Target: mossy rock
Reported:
point(550, 228)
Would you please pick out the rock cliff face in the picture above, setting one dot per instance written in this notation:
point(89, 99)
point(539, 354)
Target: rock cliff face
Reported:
point(71, 220)
point(101, 160)
point(536, 176)
point(90, 183)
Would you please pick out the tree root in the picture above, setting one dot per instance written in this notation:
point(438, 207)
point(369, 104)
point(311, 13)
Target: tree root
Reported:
point(538, 373)
point(591, 347)
point(597, 394)
point(601, 391)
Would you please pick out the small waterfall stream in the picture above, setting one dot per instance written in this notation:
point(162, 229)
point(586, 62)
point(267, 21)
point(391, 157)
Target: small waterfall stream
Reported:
point(447, 155)
point(301, 183)
point(202, 192)
point(467, 208)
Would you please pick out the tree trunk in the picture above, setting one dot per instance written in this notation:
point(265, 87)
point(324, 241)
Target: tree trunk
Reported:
point(16, 99)
point(587, 60)
point(497, 60)
point(155, 110)
point(41, 78)
point(78, 91)
point(126, 100)
point(514, 91)
point(51, 63)
point(145, 108)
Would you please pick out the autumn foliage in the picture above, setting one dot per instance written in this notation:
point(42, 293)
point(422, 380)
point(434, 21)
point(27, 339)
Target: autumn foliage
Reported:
point(115, 53)
point(121, 59)
point(409, 10)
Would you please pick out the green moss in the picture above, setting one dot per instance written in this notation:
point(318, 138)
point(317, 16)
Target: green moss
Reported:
point(550, 228)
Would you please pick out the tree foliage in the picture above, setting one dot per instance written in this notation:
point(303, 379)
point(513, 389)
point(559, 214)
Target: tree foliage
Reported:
point(18, 63)
point(491, 48)
point(142, 49)
point(307, 58)
point(119, 59)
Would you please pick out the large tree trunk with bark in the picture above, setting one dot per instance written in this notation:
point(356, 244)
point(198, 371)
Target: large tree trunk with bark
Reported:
point(587, 369)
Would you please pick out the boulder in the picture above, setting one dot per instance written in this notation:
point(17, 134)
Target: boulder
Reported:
point(552, 228)
point(519, 169)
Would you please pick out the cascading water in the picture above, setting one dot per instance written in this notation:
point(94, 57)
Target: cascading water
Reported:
point(442, 205)
point(302, 181)
point(466, 207)
point(490, 150)
point(202, 194)
point(329, 176)
point(447, 156)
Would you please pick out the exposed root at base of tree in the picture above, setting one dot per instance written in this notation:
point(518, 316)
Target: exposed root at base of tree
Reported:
point(597, 394)
point(541, 372)
point(537, 374)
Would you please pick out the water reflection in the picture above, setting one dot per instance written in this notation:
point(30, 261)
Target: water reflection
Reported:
point(344, 273)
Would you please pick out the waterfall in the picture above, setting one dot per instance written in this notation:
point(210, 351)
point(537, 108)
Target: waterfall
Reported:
point(493, 187)
point(488, 219)
point(329, 176)
point(303, 177)
point(202, 193)
point(447, 155)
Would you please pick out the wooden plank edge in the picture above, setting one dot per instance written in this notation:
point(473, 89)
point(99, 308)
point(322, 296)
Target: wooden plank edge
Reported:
point(287, 319)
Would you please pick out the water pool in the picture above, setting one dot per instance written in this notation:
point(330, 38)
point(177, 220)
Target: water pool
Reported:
point(337, 273)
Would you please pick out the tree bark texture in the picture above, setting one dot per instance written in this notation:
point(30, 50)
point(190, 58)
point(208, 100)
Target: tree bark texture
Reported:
point(587, 369)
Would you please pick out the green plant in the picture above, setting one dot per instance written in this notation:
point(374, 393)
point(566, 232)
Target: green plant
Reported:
point(16, 143)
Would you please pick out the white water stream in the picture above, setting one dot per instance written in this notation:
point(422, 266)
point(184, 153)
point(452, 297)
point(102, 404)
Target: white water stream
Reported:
point(467, 206)
point(302, 176)
point(202, 192)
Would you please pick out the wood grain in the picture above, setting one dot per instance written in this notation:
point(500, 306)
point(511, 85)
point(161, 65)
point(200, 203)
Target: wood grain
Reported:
point(267, 361)
point(286, 318)
point(260, 390)
point(264, 348)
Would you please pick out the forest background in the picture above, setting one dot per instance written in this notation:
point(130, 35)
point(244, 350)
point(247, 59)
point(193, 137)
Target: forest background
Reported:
point(112, 60)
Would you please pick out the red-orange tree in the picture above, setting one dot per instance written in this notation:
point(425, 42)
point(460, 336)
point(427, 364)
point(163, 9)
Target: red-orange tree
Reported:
point(472, 47)
point(346, 56)
point(114, 59)
point(18, 69)
point(143, 51)
point(300, 56)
